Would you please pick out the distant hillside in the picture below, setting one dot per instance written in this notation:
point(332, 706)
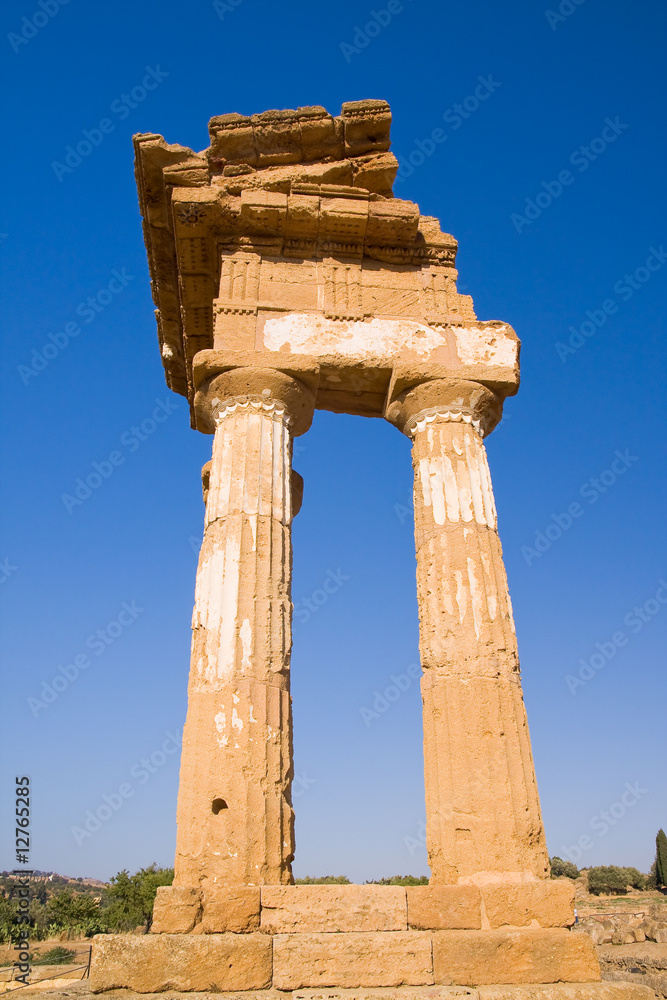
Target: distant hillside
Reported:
point(53, 882)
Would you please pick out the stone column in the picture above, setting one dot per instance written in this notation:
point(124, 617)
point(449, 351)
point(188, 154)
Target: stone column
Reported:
point(483, 820)
point(235, 817)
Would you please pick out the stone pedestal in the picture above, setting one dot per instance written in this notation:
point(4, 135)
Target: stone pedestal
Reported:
point(483, 819)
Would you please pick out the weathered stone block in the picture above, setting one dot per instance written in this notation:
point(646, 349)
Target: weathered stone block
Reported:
point(326, 908)
point(395, 958)
point(550, 902)
point(176, 909)
point(567, 991)
point(442, 907)
point(182, 962)
point(382, 993)
point(230, 909)
point(549, 991)
point(475, 958)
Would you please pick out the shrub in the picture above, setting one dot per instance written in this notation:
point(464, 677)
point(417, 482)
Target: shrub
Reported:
point(608, 879)
point(56, 956)
point(560, 868)
point(323, 880)
point(74, 912)
point(634, 878)
point(401, 880)
point(130, 898)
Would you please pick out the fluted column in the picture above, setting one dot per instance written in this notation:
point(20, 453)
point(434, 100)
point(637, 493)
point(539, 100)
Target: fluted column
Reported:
point(235, 817)
point(483, 819)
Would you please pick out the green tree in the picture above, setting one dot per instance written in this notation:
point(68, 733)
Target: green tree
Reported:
point(633, 877)
point(8, 926)
point(652, 877)
point(400, 880)
point(323, 880)
point(129, 898)
point(560, 868)
point(661, 859)
point(607, 879)
point(75, 912)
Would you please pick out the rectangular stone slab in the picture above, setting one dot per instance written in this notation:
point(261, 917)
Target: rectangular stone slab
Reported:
point(550, 902)
point(326, 908)
point(153, 963)
point(545, 991)
point(567, 991)
point(393, 958)
point(230, 909)
point(476, 958)
point(444, 907)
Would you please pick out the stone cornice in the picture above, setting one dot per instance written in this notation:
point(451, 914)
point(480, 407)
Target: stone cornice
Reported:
point(294, 184)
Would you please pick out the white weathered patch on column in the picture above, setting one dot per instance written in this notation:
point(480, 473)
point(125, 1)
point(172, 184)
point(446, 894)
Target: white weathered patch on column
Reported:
point(245, 635)
point(475, 597)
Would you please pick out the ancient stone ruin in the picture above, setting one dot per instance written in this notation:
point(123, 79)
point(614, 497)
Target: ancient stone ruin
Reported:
point(286, 277)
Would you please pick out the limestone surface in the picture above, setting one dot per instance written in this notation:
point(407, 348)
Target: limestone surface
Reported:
point(313, 908)
point(476, 958)
point(155, 963)
point(454, 907)
point(350, 960)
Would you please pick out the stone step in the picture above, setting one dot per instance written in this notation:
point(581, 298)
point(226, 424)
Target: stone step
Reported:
point(348, 960)
point(288, 909)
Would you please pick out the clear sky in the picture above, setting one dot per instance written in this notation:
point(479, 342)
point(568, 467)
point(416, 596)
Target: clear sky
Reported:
point(575, 262)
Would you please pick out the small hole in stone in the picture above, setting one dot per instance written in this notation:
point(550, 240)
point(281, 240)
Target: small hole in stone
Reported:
point(217, 805)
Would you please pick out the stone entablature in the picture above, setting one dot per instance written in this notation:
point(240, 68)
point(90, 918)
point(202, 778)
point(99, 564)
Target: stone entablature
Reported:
point(284, 238)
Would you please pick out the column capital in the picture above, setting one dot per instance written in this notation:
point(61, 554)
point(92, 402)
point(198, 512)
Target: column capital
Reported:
point(446, 399)
point(264, 389)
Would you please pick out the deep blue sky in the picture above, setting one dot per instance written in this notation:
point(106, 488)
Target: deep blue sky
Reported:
point(359, 789)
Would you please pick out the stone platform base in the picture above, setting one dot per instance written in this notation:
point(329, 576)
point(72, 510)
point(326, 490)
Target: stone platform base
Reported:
point(347, 960)
point(572, 991)
point(355, 938)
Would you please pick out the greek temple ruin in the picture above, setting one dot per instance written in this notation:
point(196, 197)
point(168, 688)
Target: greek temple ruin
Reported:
point(287, 278)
